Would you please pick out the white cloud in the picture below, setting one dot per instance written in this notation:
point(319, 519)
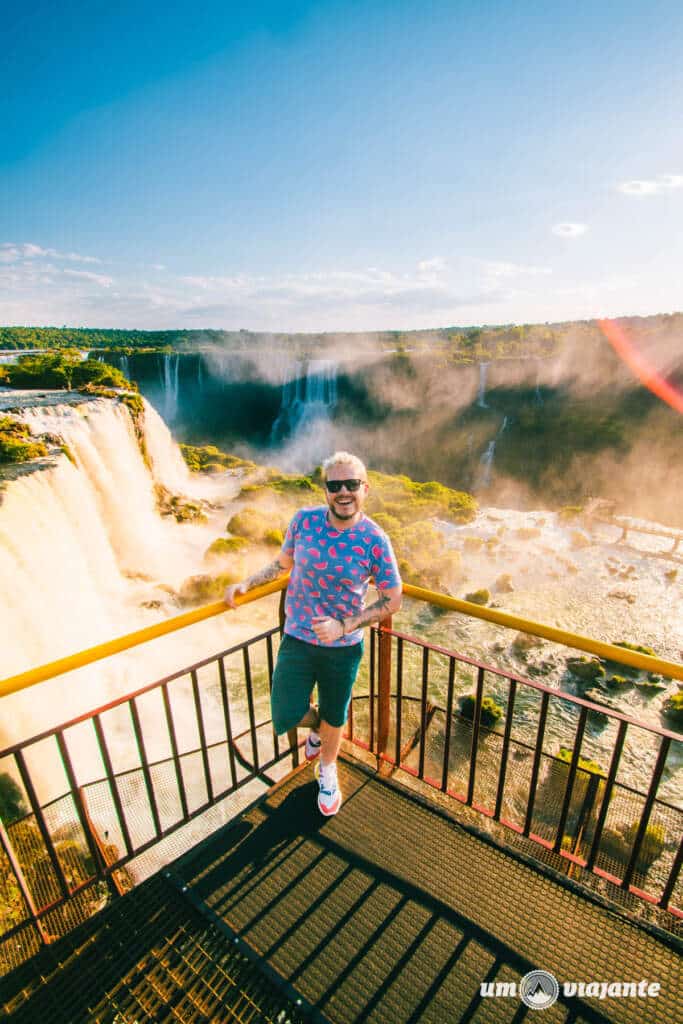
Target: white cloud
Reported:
point(569, 230)
point(16, 253)
point(651, 186)
point(87, 275)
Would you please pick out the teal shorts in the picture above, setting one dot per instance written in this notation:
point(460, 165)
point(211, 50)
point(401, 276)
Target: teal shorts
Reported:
point(299, 667)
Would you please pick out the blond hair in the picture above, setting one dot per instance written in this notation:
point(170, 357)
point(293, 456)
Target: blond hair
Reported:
point(347, 459)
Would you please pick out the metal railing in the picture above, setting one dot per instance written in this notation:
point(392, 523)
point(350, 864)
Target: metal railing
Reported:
point(491, 754)
point(153, 762)
point(133, 773)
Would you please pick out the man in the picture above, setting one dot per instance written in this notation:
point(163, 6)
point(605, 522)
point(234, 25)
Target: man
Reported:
point(332, 550)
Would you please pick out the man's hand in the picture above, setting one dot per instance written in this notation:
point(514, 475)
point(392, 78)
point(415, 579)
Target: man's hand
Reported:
point(327, 630)
point(233, 591)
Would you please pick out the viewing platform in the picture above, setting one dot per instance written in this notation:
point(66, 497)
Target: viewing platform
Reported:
point(198, 882)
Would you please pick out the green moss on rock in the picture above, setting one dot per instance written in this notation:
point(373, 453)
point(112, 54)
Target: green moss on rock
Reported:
point(491, 710)
point(210, 459)
point(672, 708)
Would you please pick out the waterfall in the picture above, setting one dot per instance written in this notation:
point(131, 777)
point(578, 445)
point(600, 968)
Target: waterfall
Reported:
point(309, 395)
point(125, 367)
point(168, 466)
point(486, 461)
point(170, 379)
point(83, 550)
point(483, 372)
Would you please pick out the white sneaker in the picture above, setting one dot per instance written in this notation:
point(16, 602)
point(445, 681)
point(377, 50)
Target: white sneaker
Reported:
point(313, 745)
point(329, 796)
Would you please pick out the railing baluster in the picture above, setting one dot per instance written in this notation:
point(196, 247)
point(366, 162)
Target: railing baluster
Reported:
point(476, 727)
point(144, 762)
point(170, 725)
point(83, 817)
point(647, 810)
point(371, 695)
point(111, 779)
point(571, 776)
point(449, 723)
point(384, 686)
point(225, 697)
point(15, 866)
point(607, 795)
point(505, 748)
point(538, 753)
point(250, 707)
point(423, 710)
point(40, 820)
point(399, 698)
point(269, 656)
point(673, 877)
point(202, 735)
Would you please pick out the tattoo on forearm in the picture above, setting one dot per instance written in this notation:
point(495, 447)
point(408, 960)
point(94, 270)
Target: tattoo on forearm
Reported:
point(373, 613)
point(266, 575)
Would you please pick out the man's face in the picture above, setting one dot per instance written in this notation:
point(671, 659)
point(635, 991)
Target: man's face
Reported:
point(345, 504)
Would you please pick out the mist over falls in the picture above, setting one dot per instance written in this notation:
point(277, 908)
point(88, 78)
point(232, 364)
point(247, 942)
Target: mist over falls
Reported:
point(521, 432)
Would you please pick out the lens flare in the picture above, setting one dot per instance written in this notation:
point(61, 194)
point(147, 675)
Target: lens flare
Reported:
point(644, 370)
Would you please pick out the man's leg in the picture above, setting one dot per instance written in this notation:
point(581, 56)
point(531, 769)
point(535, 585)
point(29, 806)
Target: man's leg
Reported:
point(330, 737)
point(337, 668)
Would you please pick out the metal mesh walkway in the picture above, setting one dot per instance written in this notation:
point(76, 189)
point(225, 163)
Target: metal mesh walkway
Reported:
point(391, 912)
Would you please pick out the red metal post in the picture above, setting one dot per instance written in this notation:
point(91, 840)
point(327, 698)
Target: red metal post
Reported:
point(384, 687)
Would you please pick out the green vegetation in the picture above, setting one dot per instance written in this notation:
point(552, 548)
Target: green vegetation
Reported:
point(17, 443)
point(569, 512)
point(640, 648)
point(203, 588)
point(585, 764)
point(409, 501)
point(182, 510)
point(673, 709)
point(618, 845)
point(209, 459)
point(551, 789)
point(491, 711)
point(62, 370)
point(618, 682)
point(478, 596)
point(224, 546)
point(254, 525)
point(12, 803)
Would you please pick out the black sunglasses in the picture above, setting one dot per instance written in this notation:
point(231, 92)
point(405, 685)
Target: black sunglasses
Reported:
point(335, 486)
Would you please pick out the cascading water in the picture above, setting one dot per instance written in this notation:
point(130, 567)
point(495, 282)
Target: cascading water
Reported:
point(486, 461)
point(171, 385)
point(303, 424)
point(483, 373)
point(85, 557)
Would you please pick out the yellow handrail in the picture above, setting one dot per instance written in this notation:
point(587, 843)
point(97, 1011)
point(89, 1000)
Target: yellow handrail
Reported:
point(581, 643)
point(122, 643)
point(13, 684)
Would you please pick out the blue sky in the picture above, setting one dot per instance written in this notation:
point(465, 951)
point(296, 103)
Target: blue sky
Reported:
point(340, 164)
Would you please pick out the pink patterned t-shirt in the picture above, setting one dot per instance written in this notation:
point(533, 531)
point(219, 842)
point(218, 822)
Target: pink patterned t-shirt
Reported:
point(331, 571)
